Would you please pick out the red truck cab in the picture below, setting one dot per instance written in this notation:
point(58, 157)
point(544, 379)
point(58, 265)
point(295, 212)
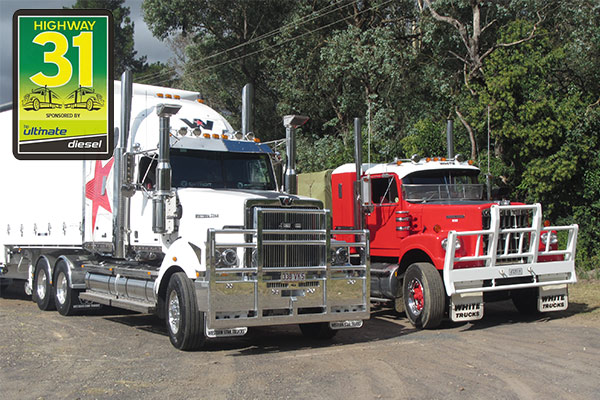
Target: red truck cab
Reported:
point(410, 208)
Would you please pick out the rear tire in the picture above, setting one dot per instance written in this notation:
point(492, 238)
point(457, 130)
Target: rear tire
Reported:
point(65, 297)
point(424, 296)
point(43, 293)
point(184, 322)
point(525, 300)
point(318, 330)
point(4, 284)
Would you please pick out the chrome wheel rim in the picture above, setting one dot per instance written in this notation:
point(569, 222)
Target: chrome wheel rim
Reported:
point(174, 312)
point(41, 284)
point(61, 288)
point(415, 297)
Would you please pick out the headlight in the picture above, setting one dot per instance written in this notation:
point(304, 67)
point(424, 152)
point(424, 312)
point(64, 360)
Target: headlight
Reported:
point(457, 244)
point(228, 258)
point(341, 256)
point(553, 238)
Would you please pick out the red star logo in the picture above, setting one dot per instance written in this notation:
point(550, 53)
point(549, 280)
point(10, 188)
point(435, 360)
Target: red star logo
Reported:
point(95, 187)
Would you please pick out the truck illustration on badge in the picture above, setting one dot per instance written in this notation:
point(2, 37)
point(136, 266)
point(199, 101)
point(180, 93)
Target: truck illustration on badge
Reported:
point(41, 97)
point(84, 97)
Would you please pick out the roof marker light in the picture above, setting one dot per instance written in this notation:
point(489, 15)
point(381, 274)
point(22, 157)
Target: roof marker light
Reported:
point(224, 136)
point(471, 162)
point(256, 140)
point(168, 96)
point(206, 135)
point(216, 136)
point(177, 97)
point(160, 95)
point(428, 159)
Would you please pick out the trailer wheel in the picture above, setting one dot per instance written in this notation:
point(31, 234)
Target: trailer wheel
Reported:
point(525, 300)
point(318, 330)
point(64, 296)
point(43, 294)
point(184, 322)
point(424, 295)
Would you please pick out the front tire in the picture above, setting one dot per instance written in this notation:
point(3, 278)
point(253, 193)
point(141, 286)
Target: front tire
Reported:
point(184, 322)
point(43, 294)
point(64, 296)
point(424, 296)
point(89, 105)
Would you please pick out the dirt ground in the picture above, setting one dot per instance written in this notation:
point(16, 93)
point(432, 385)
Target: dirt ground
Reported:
point(110, 354)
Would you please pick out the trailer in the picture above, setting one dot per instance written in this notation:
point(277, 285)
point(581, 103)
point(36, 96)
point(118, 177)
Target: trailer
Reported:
point(184, 221)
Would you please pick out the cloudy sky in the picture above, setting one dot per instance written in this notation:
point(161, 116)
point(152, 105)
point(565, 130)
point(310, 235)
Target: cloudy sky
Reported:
point(145, 43)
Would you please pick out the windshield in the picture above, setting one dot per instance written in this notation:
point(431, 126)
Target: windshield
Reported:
point(455, 184)
point(218, 170)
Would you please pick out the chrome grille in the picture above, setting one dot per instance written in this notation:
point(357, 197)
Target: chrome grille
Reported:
point(292, 237)
point(514, 218)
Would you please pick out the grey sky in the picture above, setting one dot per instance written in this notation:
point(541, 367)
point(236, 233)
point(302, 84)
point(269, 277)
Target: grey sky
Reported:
point(145, 43)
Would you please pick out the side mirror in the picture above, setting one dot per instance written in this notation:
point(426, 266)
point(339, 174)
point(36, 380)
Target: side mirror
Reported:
point(365, 191)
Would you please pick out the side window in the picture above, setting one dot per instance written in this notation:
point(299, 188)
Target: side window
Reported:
point(384, 190)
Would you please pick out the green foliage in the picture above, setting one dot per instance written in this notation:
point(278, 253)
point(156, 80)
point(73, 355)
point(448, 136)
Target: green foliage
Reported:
point(402, 71)
point(124, 53)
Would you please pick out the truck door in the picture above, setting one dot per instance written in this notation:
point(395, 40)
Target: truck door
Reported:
point(381, 222)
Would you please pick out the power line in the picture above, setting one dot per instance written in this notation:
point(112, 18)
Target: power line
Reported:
point(304, 20)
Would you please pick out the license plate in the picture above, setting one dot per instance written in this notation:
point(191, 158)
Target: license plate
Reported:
point(466, 306)
point(553, 298)
point(293, 276)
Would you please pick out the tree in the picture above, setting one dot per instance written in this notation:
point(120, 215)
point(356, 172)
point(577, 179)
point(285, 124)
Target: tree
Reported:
point(124, 53)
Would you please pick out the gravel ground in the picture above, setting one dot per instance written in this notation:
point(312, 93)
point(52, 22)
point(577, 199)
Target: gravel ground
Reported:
point(109, 354)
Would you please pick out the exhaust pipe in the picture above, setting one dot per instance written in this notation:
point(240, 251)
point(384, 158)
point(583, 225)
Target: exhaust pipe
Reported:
point(450, 138)
point(163, 169)
point(248, 109)
point(358, 215)
point(291, 123)
point(122, 186)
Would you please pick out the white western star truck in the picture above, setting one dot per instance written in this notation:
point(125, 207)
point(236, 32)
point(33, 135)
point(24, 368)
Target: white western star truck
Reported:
point(185, 221)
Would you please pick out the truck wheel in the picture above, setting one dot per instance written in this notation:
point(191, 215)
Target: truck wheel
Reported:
point(89, 105)
point(36, 104)
point(43, 294)
point(525, 300)
point(318, 330)
point(424, 295)
point(64, 296)
point(184, 322)
point(4, 284)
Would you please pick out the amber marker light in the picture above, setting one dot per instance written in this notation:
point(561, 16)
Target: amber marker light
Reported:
point(215, 136)
point(547, 223)
point(437, 228)
point(206, 135)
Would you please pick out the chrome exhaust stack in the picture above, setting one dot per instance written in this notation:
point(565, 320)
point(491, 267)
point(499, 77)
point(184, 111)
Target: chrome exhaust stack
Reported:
point(291, 123)
point(163, 169)
point(247, 109)
point(123, 170)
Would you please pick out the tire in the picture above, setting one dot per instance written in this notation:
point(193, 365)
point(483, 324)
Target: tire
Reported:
point(184, 322)
point(525, 300)
point(89, 105)
point(64, 296)
point(318, 330)
point(424, 296)
point(36, 104)
point(4, 284)
point(43, 294)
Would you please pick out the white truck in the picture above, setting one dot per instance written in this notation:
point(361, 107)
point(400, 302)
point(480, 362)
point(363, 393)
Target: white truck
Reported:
point(185, 221)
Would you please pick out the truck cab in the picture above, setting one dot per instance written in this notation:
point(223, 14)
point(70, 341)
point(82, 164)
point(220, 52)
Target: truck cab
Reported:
point(437, 246)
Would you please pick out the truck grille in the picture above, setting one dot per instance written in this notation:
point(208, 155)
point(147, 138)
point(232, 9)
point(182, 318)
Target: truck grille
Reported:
point(508, 219)
point(295, 247)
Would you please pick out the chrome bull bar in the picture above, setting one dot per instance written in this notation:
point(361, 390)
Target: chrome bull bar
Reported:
point(499, 266)
point(251, 293)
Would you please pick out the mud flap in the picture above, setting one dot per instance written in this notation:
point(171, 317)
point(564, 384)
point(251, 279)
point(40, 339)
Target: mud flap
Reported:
point(553, 298)
point(466, 307)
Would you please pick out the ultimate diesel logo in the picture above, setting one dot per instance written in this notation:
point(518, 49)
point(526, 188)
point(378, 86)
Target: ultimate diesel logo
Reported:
point(62, 72)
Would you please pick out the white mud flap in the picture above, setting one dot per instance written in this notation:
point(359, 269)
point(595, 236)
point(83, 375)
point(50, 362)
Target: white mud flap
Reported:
point(466, 306)
point(553, 298)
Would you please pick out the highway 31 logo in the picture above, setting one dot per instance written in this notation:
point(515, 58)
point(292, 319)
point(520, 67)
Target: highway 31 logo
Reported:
point(63, 84)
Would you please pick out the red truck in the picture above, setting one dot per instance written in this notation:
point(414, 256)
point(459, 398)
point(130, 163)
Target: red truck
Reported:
point(438, 248)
